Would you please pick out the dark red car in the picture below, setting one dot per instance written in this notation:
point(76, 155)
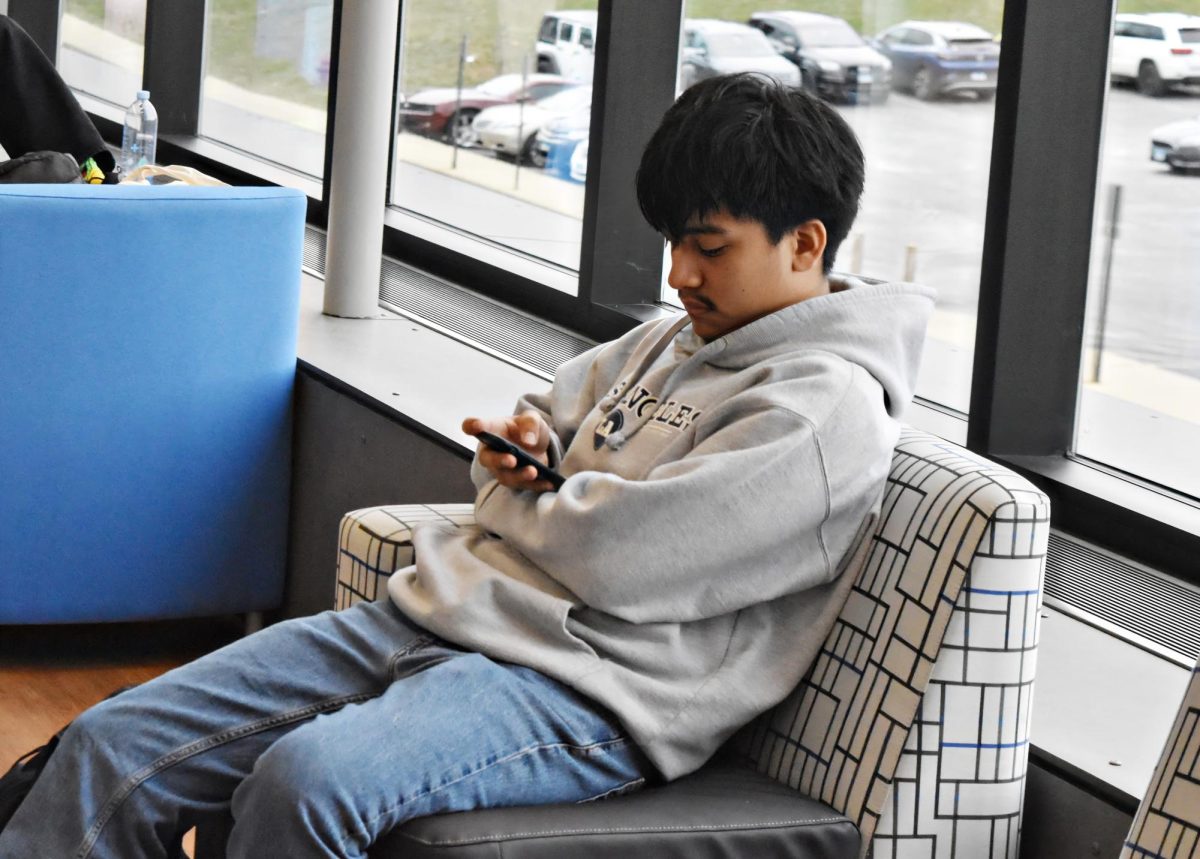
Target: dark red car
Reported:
point(443, 112)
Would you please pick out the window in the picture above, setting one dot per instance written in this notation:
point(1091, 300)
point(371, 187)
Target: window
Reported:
point(102, 47)
point(267, 78)
point(1139, 400)
point(491, 110)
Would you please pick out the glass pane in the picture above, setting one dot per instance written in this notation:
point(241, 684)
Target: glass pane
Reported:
point(921, 105)
point(1139, 406)
point(493, 116)
point(102, 47)
point(267, 79)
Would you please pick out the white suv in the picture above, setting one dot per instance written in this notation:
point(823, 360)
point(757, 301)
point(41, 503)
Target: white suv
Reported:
point(1156, 51)
point(566, 44)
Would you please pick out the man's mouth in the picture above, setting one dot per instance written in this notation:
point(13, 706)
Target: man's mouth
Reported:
point(696, 303)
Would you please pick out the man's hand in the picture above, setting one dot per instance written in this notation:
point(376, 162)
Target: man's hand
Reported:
point(527, 430)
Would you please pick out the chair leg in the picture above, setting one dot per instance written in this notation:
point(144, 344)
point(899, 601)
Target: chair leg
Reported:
point(253, 622)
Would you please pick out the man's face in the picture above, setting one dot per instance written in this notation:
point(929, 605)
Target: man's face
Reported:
point(728, 273)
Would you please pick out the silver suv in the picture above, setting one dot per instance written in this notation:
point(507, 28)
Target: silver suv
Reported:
point(1156, 51)
point(566, 44)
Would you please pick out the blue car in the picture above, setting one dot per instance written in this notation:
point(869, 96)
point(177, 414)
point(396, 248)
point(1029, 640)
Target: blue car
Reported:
point(932, 58)
point(557, 140)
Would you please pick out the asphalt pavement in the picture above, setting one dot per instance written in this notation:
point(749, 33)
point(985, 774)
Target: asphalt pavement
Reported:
point(924, 208)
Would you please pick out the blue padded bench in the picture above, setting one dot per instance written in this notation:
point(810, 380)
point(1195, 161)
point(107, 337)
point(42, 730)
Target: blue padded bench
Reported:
point(147, 358)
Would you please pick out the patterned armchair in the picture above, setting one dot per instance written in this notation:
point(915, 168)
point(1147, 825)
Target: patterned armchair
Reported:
point(1167, 823)
point(908, 737)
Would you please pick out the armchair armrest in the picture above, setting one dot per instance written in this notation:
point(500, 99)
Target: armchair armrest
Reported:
point(374, 542)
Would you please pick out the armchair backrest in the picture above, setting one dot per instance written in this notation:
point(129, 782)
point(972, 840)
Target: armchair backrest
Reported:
point(914, 718)
point(147, 359)
point(1167, 822)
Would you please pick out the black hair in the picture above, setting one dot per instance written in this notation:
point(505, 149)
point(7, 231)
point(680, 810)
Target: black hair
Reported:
point(758, 150)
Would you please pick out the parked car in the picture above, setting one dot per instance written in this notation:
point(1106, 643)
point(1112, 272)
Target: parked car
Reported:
point(1156, 51)
point(712, 47)
point(834, 61)
point(566, 44)
point(442, 112)
point(579, 159)
point(931, 58)
point(558, 141)
point(1177, 144)
point(512, 129)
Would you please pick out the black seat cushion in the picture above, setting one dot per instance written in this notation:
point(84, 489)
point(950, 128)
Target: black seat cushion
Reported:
point(720, 811)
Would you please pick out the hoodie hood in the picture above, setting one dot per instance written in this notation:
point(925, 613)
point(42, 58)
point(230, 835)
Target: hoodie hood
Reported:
point(878, 326)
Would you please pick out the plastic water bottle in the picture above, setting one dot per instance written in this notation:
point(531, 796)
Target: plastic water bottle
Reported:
point(140, 140)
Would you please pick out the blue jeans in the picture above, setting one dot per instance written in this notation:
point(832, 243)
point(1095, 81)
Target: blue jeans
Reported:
point(320, 734)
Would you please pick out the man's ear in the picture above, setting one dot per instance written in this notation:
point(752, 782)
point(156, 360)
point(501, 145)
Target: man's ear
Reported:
point(809, 241)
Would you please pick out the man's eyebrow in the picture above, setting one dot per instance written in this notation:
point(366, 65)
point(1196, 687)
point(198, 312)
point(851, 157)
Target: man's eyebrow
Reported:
point(702, 230)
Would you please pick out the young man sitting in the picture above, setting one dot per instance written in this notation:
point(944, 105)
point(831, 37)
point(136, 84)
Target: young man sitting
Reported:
point(722, 469)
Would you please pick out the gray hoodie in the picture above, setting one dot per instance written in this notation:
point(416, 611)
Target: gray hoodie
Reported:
point(687, 572)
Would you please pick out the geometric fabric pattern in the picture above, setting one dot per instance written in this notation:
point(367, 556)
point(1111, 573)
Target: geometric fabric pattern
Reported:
point(913, 721)
point(1167, 823)
point(376, 541)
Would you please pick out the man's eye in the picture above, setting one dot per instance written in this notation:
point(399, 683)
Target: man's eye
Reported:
point(710, 252)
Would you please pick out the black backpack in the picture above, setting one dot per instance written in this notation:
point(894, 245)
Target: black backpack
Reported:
point(18, 781)
point(40, 168)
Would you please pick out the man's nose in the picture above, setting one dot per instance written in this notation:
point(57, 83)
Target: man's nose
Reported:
point(684, 272)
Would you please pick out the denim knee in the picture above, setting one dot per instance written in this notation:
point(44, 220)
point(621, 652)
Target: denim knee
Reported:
point(295, 791)
point(100, 726)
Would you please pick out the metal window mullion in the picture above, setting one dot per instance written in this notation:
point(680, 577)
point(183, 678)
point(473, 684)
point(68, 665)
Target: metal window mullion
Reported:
point(41, 19)
point(319, 213)
point(634, 83)
point(173, 62)
point(1033, 285)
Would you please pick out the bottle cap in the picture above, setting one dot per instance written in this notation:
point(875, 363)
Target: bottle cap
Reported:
point(144, 94)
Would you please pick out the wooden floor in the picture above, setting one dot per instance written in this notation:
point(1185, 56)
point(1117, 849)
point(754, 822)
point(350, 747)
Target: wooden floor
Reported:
point(49, 674)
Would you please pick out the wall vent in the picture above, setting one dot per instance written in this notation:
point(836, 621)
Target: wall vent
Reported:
point(1124, 595)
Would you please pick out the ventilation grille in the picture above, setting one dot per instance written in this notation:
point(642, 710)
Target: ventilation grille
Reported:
point(1124, 594)
point(314, 250)
point(478, 321)
point(1099, 584)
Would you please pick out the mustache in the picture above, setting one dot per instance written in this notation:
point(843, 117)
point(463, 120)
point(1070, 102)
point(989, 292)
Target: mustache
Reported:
point(703, 299)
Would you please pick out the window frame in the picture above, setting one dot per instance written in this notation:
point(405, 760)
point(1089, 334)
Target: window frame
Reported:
point(1037, 231)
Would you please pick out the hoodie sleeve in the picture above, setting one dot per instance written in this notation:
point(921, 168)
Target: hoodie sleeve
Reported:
point(731, 524)
point(579, 384)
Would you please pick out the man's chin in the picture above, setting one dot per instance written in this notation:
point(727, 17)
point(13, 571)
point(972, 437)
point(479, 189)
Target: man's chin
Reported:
point(706, 330)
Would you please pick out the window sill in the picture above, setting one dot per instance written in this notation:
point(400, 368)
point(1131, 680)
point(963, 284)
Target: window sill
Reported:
point(384, 363)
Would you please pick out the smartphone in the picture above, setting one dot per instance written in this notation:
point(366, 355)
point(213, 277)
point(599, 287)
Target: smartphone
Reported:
point(503, 445)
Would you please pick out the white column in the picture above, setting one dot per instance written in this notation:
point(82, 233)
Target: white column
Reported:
point(358, 175)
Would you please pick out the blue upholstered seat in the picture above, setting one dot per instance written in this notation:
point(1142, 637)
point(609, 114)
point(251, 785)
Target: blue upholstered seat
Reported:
point(147, 358)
